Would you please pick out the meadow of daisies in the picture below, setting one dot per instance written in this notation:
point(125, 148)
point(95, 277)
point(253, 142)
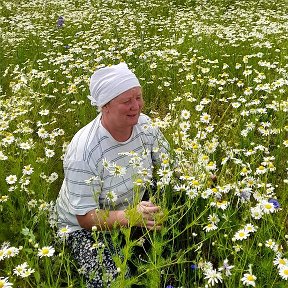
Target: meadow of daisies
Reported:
point(214, 75)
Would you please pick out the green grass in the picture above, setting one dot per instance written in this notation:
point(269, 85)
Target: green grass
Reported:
point(224, 58)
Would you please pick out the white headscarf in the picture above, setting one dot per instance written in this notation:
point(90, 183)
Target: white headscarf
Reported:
point(109, 82)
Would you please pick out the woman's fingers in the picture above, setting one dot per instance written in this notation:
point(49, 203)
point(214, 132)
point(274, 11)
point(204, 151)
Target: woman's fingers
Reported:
point(151, 225)
point(149, 212)
point(149, 207)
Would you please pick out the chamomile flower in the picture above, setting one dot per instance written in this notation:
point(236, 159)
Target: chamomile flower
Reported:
point(11, 179)
point(283, 272)
point(64, 232)
point(205, 118)
point(192, 193)
point(19, 269)
point(11, 252)
point(111, 196)
point(25, 145)
point(23, 270)
point(185, 114)
point(49, 153)
point(267, 207)
point(241, 234)
point(44, 112)
point(2, 156)
point(280, 262)
point(222, 204)
point(270, 244)
point(213, 276)
point(4, 282)
point(46, 251)
point(249, 279)
point(211, 166)
point(42, 133)
point(184, 126)
point(28, 170)
point(210, 227)
point(256, 212)
point(213, 218)
point(206, 193)
point(250, 228)
point(261, 170)
point(117, 170)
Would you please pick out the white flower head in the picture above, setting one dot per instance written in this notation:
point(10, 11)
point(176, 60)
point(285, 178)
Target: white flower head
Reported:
point(23, 270)
point(248, 279)
point(64, 232)
point(241, 234)
point(111, 196)
point(213, 276)
point(4, 282)
point(267, 207)
point(210, 227)
point(205, 118)
point(11, 179)
point(28, 170)
point(283, 272)
point(46, 251)
point(49, 153)
point(185, 114)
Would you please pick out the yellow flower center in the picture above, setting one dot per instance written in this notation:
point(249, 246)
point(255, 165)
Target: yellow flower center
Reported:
point(250, 278)
point(165, 161)
point(195, 182)
point(139, 181)
point(268, 206)
point(282, 261)
point(45, 251)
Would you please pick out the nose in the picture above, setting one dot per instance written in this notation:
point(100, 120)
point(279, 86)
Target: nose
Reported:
point(135, 105)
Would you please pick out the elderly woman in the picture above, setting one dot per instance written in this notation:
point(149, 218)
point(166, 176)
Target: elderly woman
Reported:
point(103, 163)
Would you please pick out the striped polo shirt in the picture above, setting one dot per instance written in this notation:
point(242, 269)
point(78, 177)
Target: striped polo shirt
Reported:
point(100, 172)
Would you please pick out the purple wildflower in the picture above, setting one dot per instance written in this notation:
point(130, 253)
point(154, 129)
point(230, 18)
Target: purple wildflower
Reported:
point(193, 266)
point(60, 22)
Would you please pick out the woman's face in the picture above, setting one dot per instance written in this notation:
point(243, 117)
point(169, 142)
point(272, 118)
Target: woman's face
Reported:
point(125, 109)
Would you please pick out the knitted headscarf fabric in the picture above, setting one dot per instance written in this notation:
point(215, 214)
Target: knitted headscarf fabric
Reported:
point(109, 82)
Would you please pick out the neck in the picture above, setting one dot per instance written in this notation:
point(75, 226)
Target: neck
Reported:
point(118, 133)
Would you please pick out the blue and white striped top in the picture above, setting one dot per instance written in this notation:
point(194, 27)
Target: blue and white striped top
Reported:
point(100, 172)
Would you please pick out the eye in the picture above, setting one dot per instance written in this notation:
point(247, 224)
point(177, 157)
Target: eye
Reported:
point(127, 101)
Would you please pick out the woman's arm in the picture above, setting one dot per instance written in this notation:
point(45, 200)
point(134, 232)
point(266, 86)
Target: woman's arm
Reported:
point(107, 220)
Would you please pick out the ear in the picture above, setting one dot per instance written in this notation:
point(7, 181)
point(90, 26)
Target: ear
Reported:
point(105, 108)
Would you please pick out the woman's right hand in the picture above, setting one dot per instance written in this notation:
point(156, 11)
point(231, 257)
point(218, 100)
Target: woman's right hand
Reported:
point(149, 214)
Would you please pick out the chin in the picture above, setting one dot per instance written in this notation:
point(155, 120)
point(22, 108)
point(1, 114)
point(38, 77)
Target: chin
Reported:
point(133, 120)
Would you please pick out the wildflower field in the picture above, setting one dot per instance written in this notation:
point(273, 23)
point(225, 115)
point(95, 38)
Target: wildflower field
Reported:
point(214, 76)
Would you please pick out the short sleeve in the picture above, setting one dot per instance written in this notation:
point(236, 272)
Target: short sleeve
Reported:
point(82, 186)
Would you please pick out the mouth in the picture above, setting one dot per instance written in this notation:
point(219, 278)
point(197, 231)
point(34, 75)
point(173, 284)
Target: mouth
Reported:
point(133, 115)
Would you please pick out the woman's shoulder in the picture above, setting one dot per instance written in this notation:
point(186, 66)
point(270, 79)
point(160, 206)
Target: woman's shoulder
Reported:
point(83, 141)
point(86, 131)
point(145, 123)
point(144, 119)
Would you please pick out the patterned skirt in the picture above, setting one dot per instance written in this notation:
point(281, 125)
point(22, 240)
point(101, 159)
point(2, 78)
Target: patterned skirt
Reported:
point(94, 257)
